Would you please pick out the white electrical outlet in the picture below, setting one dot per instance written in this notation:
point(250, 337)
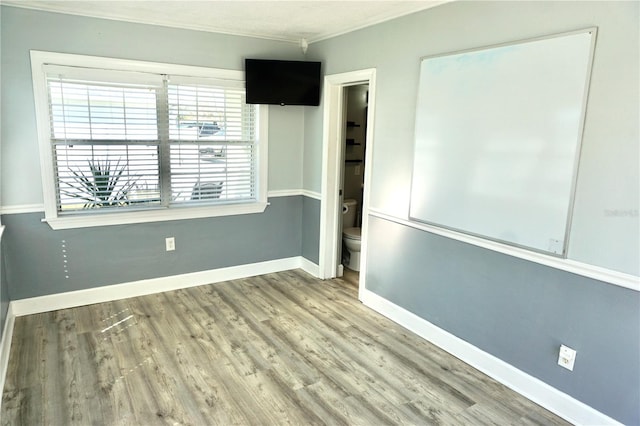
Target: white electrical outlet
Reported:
point(170, 243)
point(567, 357)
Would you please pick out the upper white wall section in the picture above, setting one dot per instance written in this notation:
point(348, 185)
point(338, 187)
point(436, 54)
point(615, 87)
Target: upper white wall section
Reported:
point(24, 30)
point(605, 230)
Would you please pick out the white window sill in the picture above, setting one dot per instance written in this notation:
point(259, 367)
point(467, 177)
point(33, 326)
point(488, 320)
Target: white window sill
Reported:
point(155, 215)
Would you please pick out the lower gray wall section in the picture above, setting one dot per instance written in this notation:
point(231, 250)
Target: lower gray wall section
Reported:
point(311, 229)
point(516, 310)
point(35, 254)
point(4, 292)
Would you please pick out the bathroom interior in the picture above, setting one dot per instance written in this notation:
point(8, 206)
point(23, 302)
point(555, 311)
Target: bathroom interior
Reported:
point(353, 179)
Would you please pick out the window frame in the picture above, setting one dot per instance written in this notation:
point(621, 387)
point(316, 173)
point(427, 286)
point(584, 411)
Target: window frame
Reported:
point(79, 220)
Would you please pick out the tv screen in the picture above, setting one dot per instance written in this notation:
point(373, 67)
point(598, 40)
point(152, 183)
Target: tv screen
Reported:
point(277, 82)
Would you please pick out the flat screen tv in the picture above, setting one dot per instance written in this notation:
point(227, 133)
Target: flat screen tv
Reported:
point(276, 82)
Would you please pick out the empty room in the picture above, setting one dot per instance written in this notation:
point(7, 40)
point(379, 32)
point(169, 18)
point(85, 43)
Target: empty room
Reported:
point(318, 212)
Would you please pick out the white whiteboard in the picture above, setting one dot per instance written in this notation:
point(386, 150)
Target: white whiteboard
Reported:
point(497, 139)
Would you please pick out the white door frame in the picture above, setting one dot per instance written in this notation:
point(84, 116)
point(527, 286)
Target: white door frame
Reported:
point(333, 138)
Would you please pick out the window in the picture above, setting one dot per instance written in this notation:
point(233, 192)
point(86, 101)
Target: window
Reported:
point(128, 141)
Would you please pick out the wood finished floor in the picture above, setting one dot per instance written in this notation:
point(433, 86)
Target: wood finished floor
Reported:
point(276, 349)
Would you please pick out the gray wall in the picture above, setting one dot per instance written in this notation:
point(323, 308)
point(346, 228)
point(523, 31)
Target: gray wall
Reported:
point(311, 229)
point(4, 291)
point(118, 254)
point(515, 310)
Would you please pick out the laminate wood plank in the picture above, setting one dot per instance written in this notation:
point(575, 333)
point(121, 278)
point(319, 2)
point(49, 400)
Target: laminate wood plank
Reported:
point(98, 368)
point(537, 417)
point(331, 364)
point(409, 349)
point(376, 344)
point(433, 412)
point(96, 393)
point(347, 409)
point(102, 364)
point(249, 296)
point(388, 376)
point(238, 356)
point(60, 381)
point(186, 389)
point(316, 350)
point(130, 370)
point(282, 402)
point(325, 406)
point(493, 414)
point(212, 385)
point(280, 348)
point(96, 317)
point(465, 402)
point(233, 334)
point(22, 396)
point(281, 357)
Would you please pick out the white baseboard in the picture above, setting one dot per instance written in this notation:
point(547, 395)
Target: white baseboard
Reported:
point(528, 386)
point(310, 267)
point(5, 347)
point(109, 293)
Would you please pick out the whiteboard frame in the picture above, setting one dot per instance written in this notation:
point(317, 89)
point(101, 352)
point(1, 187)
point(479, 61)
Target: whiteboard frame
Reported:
point(580, 134)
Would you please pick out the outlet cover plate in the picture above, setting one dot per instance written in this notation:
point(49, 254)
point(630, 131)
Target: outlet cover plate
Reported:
point(170, 243)
point(567, 357)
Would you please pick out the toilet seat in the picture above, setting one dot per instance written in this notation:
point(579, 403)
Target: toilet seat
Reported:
point(351, 233)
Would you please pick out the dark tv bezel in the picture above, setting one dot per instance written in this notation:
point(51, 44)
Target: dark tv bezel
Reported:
point(254, 87)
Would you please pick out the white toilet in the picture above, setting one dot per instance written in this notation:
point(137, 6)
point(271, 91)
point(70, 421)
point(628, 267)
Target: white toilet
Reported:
point(351, 234)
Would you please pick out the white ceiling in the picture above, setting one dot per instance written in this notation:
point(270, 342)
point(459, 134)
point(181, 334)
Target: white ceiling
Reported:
point(293, 21)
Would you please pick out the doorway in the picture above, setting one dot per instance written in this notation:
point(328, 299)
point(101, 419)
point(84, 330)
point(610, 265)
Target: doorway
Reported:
point(355, 103)
point(333, 163)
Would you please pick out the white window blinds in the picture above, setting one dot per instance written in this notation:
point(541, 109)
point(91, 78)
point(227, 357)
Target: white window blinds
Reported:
point(131, 140)
point(212, 139)
point(90, 111)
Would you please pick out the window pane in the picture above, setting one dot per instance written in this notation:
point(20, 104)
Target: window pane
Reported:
point(91, 111)
point(209, 113)
point(212, 144)
point(203, 172)
point(107, 176)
